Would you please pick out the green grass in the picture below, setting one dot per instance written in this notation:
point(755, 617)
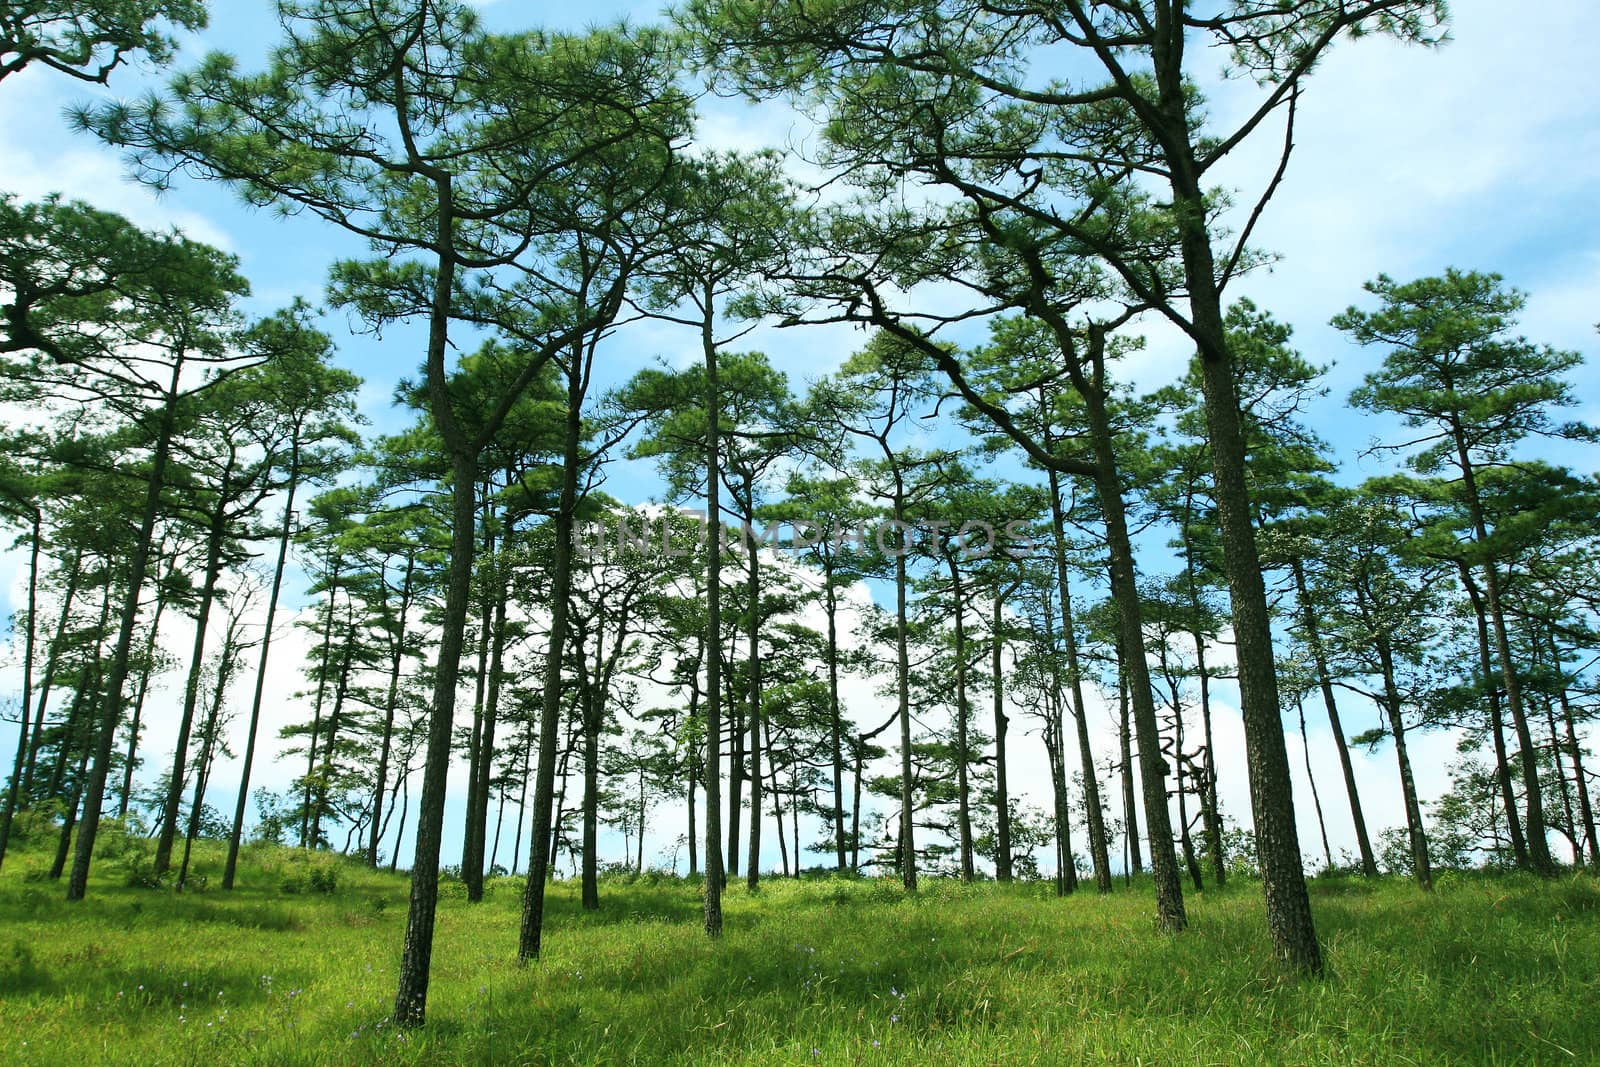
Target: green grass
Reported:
point(1489, 969)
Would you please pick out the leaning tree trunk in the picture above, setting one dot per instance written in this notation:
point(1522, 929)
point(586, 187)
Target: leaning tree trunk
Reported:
point(478, 796)
point(1170, 914)
point(391, 703)
point(1099, 847)
point(111, 712)
point(539, 844)
point(1497, 731)
point(335, 721)
point(1538, 845)
point(1319, 657)
point(285, 531)
point(51, 662)
point(26, 702)
point(1575, 753)
point(411, 996)
point(208, 742)
point(1416, 833)
point(130, 762)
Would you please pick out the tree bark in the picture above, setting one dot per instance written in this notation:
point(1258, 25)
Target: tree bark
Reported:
point(1099, 848)
point(1319, 656)
point(111, 712)
point(1002, 794)
point(26, 701)
point(963, 748)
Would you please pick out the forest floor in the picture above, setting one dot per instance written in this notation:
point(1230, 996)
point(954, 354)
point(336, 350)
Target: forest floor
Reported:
point(1493, 969)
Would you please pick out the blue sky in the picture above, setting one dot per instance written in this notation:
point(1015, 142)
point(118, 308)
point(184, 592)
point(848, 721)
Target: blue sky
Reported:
point(1484, 154)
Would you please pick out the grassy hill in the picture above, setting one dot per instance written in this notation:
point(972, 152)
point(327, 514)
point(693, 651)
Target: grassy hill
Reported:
point(296, 966)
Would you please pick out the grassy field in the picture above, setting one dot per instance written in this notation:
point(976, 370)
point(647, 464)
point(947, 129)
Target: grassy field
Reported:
point(1489, 969)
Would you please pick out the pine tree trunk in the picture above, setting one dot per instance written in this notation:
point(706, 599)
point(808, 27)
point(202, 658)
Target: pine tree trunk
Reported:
point(1316, 799)
point(1002, 794)
point(26, 701)
point(1170, 914)
point(713, 764)
point(391, 704)
point(285, 531)
point(907, 844)
point(1289, 919)
point(1099, 845)
point(963, 747)
point(541, 838)
point(835, 726)
point(753, 864)
point(51, 662)
point(130, 761)
point(1538, 846)
point(1408, 785)
point(1308, 621)
point(111, 713)
point(478, 823)
point(411, 994)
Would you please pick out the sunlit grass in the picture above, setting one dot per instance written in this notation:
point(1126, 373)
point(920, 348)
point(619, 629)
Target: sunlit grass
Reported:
point(1489, 969)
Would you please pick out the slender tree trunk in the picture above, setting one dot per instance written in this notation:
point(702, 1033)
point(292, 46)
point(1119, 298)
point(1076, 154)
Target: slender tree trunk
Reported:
point(1316, 800)
point(1002, 794)
point(405, 809)
point(1099, 849)
point(539, 844)
point(835, 726)
point(14, 787)
point(1289, 919)
point(963, 747)
point(1408, 786)
point(411, 996)
point(208, 742)
point(591, 806)
point(713, 642)
point(111, 713)
point(335, 564)
point(1538, 846)
point(130, 762)
point(1133, 862)
point(1575, 753)
point(391, 704)
point(1209, 808)
point(191, 690)
point(736, 765)
point(855, 817)
point(1170, 913)
point(68, 819)
point(1319, 656)
point(478, 822)
point(335, 721)
point(1184, 839)
point(907, 844)
point(690, 761)
point(52, 660)
point(285, 531)
point(1502, 763)
point(753, 865)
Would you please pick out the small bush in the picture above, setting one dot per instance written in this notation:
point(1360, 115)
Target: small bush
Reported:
point(309, 874)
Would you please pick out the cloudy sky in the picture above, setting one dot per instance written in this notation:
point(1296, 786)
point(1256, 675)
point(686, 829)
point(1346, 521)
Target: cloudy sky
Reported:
point(1484, 154)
